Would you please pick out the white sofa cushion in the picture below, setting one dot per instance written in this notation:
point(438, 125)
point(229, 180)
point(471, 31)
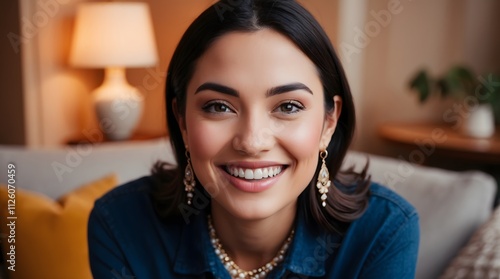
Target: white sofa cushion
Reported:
point(57, 171)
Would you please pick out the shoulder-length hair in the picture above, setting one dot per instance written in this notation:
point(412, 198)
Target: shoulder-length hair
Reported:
point(349, 198)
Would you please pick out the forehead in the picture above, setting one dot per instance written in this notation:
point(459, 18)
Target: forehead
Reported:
point(245, 58)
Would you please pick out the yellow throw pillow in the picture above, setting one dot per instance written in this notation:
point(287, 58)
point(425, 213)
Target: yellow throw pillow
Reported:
point(50, 236)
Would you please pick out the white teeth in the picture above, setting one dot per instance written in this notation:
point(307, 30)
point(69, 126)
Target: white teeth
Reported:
point(254, 174)
point(248, 174)
point(277, 171)
point(257, 174)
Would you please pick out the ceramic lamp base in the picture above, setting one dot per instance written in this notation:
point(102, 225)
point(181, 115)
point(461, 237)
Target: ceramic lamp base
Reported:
point(118, 105)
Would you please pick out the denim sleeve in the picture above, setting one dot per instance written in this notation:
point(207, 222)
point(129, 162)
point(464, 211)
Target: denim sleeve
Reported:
point(397, 258)
point(106, 257)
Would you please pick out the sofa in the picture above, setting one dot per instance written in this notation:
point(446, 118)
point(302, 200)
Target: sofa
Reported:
point(453, 206)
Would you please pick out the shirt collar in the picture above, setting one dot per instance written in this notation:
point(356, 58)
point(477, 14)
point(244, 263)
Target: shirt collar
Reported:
point(308, 252)
point(310, 248)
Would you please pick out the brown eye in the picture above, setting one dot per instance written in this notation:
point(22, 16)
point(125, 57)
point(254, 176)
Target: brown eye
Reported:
point(290, 107)
point(216, 107)
point(220, 108)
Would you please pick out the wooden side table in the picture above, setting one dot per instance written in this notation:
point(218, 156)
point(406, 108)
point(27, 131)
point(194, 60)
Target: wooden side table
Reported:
point(439, 138)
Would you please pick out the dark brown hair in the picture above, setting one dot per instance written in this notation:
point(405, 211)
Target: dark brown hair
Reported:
point(348, 199)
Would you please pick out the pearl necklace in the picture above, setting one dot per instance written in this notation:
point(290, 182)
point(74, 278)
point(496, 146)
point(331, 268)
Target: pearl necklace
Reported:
point(234, 270)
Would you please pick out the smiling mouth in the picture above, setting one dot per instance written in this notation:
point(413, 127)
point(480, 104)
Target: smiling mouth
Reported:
point(254, 174)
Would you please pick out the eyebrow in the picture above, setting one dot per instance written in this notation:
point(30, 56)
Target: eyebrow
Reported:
point(271, 92)
point(287, 88)
point(217, 88)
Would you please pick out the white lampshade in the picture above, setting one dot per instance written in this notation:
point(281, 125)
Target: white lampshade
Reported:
point(113, 34)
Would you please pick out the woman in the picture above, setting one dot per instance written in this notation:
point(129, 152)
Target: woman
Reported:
point(260, 117)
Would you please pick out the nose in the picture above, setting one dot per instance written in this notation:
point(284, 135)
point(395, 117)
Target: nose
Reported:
point(255, 135)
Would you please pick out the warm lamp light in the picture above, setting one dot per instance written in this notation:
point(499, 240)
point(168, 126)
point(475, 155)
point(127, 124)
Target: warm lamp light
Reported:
point(114, 35)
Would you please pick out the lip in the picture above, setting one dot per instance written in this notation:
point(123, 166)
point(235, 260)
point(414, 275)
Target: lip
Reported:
point(256, 186)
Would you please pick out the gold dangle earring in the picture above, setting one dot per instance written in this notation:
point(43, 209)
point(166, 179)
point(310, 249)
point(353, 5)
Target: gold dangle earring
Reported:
point(189, 181)
point(323, 178)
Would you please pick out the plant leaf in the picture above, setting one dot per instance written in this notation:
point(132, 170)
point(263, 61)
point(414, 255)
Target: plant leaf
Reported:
point(459, 81)
point(422, 85)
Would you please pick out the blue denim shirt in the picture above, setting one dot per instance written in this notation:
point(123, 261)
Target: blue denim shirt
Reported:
point(127, 240)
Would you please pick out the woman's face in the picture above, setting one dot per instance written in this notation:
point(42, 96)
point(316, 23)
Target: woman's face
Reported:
point(255, 123)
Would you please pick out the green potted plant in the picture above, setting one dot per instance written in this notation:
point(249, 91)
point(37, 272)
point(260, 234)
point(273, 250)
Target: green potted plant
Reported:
point(479, 97)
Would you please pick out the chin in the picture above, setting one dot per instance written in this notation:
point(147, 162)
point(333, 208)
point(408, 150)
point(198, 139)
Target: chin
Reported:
point(253, 207)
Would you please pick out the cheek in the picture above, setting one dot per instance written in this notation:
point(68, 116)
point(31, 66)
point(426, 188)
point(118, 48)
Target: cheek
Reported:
point(302, 139)
point(205, 138)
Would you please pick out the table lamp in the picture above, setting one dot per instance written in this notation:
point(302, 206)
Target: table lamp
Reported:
point(114, 35)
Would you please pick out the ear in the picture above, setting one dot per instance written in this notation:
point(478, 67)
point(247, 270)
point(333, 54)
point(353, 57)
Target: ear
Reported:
point(331, 120)
point(180, 121)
